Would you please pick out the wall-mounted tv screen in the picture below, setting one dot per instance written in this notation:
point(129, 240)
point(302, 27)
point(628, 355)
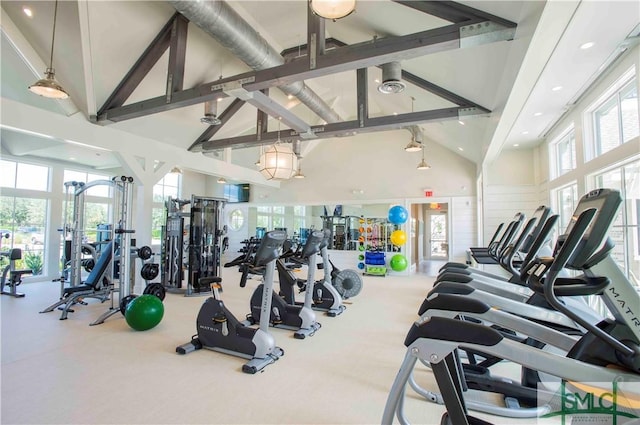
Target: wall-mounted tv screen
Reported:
point(236, 192)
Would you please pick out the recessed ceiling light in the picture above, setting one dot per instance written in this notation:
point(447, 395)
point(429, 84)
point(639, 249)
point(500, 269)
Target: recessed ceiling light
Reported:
point(525, 132)
point(72, 158)
point(556, 88)
point(515, 145)
point(460, 122)
point(588, 45)
point(219, 99)
point(289, 96)
point(537, 114)
point(395, 113)
point(27, 11)
point(460, 149)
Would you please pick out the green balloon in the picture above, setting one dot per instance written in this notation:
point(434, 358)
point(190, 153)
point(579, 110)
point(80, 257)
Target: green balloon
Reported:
point(144, 312)
point(398, 263)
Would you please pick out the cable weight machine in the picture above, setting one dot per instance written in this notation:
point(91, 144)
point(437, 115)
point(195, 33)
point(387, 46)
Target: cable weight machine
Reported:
point(194, 247)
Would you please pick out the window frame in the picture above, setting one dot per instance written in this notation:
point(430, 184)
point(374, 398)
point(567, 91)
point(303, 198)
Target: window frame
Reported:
point(612, 94)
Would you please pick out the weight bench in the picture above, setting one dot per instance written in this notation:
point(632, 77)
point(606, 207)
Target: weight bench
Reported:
point(14, 275)
point(92, 287)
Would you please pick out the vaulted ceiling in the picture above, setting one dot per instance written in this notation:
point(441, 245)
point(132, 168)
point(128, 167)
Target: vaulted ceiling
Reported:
point(456, 91)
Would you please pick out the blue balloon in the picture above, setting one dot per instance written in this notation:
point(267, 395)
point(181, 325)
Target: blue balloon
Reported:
point(398, 214)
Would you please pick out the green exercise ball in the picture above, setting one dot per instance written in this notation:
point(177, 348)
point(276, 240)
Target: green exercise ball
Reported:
point(144, 312)
point(398, 263)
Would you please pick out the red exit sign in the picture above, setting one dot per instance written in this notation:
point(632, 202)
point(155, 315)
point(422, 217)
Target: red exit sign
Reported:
point(428, 193)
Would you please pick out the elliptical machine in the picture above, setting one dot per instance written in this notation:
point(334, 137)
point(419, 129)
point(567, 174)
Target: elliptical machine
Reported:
point(299, 318)
point(325, 296)
point(219, 330)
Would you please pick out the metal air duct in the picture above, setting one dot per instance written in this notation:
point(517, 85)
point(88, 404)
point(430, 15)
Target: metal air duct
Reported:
point(391, 78)
point(220, 21)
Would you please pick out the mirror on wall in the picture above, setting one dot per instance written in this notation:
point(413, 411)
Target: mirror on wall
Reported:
point(350, 225)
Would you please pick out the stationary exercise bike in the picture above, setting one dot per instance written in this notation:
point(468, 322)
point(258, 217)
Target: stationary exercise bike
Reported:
point(299, 318)
point(325, 296)
point(219, 330)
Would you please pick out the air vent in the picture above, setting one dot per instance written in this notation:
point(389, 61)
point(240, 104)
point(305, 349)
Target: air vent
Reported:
point(391, 78)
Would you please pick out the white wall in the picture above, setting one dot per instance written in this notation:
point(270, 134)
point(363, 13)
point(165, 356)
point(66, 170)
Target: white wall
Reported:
point(341, 165)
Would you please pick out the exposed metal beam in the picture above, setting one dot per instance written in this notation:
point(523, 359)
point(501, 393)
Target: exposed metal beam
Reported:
point(262, 123)
point(177, 51)
point(225, 116)
point(346, 58)
point(439, 91)
point(407, 76)
point(271, 107)
point(362, 97)
point(315, 36)
point(454, 12)
point(346, 128)
point(141, 68)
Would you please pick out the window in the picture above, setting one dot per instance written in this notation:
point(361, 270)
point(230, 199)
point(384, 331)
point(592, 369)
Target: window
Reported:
point(236, 220)
point(615, 117)
point(23, 217)
point(80, 176)
point(271, 217)
point(565, 199)
point(19, 175)
point(563, 153)
point(168, 186)
point(299, 218)
point(625, 231)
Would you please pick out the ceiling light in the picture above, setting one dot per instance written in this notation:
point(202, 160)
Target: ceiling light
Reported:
point(176, 170)
point(460, 149)
point(537, 114)
point(289, 96)
point(413, 146)
point(222, 180)
point(27, 11)
point(460, 122)
point(423, 164)
point(332, 9)
point(587, 45)
point(377, 81)
point(298, 174)
point(556, 88)
point(219, 99)
point(48, 86)
point(525, 132)
point(72, 158)
point(395, 113)
point(278, 161)
point(515, 145)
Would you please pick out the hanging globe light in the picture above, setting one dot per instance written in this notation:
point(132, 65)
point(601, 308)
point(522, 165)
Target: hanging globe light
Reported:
point(278, 162)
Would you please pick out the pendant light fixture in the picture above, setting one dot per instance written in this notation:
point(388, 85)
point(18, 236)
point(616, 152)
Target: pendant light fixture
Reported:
point(332, 9)
point(222, 180)
point(176, 170)
point(423, 164)
point(278, 161)
point(413, 146)
point(48, 86)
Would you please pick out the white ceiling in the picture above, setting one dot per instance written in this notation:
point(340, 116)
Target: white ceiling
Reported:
point(97, 42)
